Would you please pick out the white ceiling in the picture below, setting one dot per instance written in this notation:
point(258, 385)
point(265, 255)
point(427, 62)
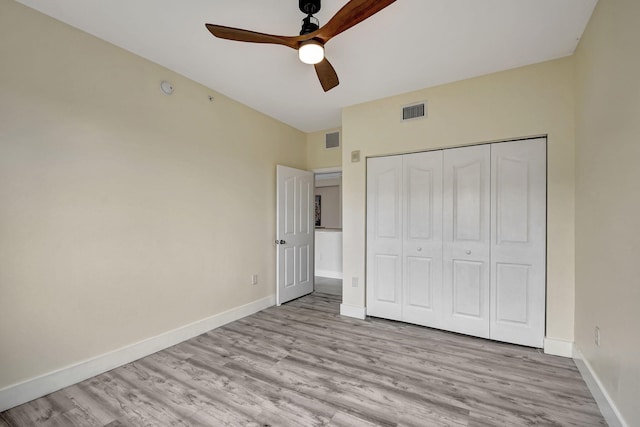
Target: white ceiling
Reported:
point(410, 45)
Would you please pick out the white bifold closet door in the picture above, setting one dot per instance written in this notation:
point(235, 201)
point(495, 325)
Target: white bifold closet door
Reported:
point(422, 238)
point(456, 240)
point(384, 237)
point(466, 245)
point(404, 237)
point(518, 242)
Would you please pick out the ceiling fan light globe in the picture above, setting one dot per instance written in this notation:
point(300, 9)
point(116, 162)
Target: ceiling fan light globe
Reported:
point(311, 52)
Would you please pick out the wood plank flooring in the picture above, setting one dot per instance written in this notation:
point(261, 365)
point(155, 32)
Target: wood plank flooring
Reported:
point(302, 364)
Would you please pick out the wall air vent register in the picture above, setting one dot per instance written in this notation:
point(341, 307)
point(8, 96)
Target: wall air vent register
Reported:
point(414, 111)
point(332, 140)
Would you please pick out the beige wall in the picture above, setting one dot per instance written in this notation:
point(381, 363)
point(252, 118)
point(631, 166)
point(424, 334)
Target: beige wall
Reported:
point(608, 200)
point(319, 157)
point(533, 100)
point(124, 213)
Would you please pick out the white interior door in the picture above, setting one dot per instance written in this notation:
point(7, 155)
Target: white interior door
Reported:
point(384, 237)
point(518, 232)
point(466, 244)
point(295, 232)
point(422, 243)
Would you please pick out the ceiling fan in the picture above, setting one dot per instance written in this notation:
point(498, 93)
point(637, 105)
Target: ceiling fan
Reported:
point(310, 43)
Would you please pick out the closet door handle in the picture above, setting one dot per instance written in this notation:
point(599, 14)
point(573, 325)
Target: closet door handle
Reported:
point(468, 252)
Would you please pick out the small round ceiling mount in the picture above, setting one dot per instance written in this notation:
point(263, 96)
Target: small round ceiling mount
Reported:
point(309, 7)
point(166, 87)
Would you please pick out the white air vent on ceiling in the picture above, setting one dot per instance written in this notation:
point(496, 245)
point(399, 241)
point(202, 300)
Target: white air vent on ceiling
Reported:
point(332, 140)
point(414, 111)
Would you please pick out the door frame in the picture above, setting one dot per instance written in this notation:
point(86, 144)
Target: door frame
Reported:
point(336, 169)
point(316, 171)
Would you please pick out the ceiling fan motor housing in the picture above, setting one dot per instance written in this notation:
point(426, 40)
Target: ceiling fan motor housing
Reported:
point(309, 7)
point(309, 25)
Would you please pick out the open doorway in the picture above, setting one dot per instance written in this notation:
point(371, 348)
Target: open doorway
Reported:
point(328, 231)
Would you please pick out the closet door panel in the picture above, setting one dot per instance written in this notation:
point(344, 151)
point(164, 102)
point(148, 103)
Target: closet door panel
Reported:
point(387, 271)
point(518, 239)
point(511, 298)
point(466, 185)
point(384, 237)
point(422, 238)
point(419, 284)
point(466, 245)
point(467, 289)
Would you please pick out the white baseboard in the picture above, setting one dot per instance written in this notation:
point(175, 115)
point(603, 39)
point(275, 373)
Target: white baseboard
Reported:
point(353, 311)
point(42, 385)
point(610, 412)
point(558, 347)
point(328, 273)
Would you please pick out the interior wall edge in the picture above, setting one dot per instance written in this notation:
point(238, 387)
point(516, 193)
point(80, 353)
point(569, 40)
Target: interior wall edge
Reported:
point(353, 311)
point(558, 347)
point(25, 391)
point(609, 410)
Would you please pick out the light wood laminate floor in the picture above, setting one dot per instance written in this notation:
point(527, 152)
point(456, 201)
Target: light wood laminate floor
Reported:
point(302, 364)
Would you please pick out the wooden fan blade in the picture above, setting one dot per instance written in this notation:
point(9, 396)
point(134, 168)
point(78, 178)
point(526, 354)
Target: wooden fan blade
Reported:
point(241, 35)
point(351, 14)
point(327, 75)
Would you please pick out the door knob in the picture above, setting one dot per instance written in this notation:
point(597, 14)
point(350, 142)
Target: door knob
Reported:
point(468, 252)
point(419, 249)
point(280, 242)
